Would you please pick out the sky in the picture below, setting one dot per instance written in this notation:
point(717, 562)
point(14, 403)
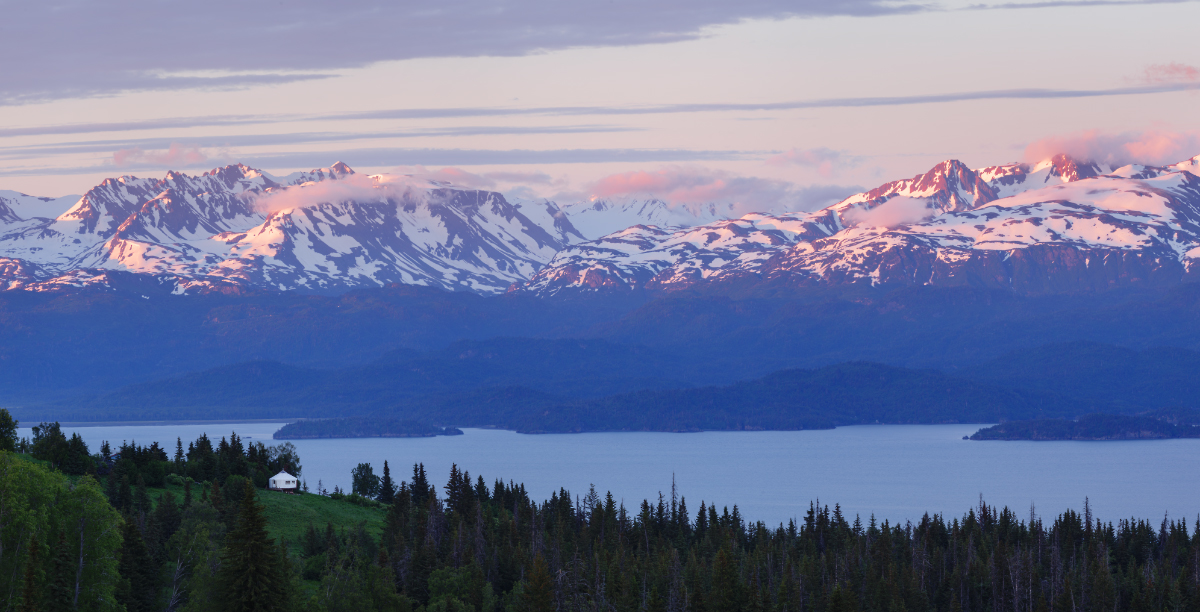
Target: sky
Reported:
point(778, 105)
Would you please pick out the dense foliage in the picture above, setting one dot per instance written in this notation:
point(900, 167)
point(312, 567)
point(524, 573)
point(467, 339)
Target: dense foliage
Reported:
point(361, 427)
point(59, 539)
point(1089, 427)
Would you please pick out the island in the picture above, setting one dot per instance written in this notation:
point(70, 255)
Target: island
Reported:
point(1147, 426)
point(361, 427)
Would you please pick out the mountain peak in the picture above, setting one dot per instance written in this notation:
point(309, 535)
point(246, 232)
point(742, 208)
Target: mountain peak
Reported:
point(340, 169)
point(1070, 169)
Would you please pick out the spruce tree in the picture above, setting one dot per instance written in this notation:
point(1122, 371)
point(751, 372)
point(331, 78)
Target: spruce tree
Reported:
point(59, 591)
point(420, 485)
point(727, 592)
point(539, 593)
point(250, 574)
point(124, 495)
point(387, 489)
point(31, 593)
point(135, 590)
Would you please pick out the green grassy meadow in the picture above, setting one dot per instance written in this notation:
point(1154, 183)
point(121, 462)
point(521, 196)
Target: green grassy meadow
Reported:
point(288, 516)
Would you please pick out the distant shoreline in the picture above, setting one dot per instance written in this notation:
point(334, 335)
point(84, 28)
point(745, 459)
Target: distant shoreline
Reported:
point(154, 423)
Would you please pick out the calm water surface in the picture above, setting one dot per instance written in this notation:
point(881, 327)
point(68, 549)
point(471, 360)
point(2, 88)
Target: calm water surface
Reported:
point(893, 471)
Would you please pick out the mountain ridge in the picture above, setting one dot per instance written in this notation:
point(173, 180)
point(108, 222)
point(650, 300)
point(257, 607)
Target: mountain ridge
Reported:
point(1060, 225)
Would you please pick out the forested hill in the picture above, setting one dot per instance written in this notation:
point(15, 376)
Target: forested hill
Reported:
point(843, 394)
point(1090, 427)
point(1133, 380)
point(361, 427)
point(846, 394)
point(88, 344)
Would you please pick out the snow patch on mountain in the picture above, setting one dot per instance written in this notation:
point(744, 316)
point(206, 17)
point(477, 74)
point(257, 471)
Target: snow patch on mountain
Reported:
point(27, 206)
point(600, 217)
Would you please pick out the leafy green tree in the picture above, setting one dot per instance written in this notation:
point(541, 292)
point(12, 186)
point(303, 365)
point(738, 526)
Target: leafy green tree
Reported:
point(8, 431)
point(194, 559)
point(49, 444)
point(283, 458)
point(250, 572)
point(364, 482)
point(33, 500)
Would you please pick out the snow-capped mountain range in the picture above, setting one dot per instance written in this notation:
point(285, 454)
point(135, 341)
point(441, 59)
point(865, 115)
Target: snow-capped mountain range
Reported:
point(333, 230)
point(1059, 225)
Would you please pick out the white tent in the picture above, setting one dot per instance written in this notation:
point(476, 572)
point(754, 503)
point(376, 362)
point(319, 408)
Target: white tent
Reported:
point(283, 482)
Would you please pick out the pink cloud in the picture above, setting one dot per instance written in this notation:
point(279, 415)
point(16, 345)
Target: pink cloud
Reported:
point(895, 212)
point(351, 188)
point(1173, 72)
point(699, 185)
point(176, 156)
point(1149, 147)
point(826, 162)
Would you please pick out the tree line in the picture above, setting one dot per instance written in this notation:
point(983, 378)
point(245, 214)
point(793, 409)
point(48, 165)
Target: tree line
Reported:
point(467, 546)
point(470, 546)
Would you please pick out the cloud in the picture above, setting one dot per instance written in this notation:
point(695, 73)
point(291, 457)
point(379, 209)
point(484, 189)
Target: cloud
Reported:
point(392, 157)
point(101, 47)
point(405, 183)
point(897, 211)
point(1146, 88)
point(1173, 72)
point(175, 156)
point(1149, 147)
point(699, 185)
point(827, 162)
point(350, 188)
point(297, 138)
point(458, 177)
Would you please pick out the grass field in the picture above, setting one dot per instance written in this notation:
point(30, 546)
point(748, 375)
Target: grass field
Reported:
point(288, 516)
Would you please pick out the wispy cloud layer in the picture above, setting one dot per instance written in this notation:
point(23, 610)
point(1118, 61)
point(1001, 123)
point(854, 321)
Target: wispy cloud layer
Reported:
point(1151, 147)
point(485, 180)
point(90, 48)
point(700, 185)
point(1158, 79)
point(174, 156)
point(827, 162)
point(67, 48)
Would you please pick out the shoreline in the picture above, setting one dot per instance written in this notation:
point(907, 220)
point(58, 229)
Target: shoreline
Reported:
point(161, 423)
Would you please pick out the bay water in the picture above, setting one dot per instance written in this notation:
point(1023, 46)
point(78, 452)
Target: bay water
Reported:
point(898, 472)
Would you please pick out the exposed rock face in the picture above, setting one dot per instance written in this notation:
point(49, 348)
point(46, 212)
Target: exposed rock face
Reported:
point(1058, 226)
